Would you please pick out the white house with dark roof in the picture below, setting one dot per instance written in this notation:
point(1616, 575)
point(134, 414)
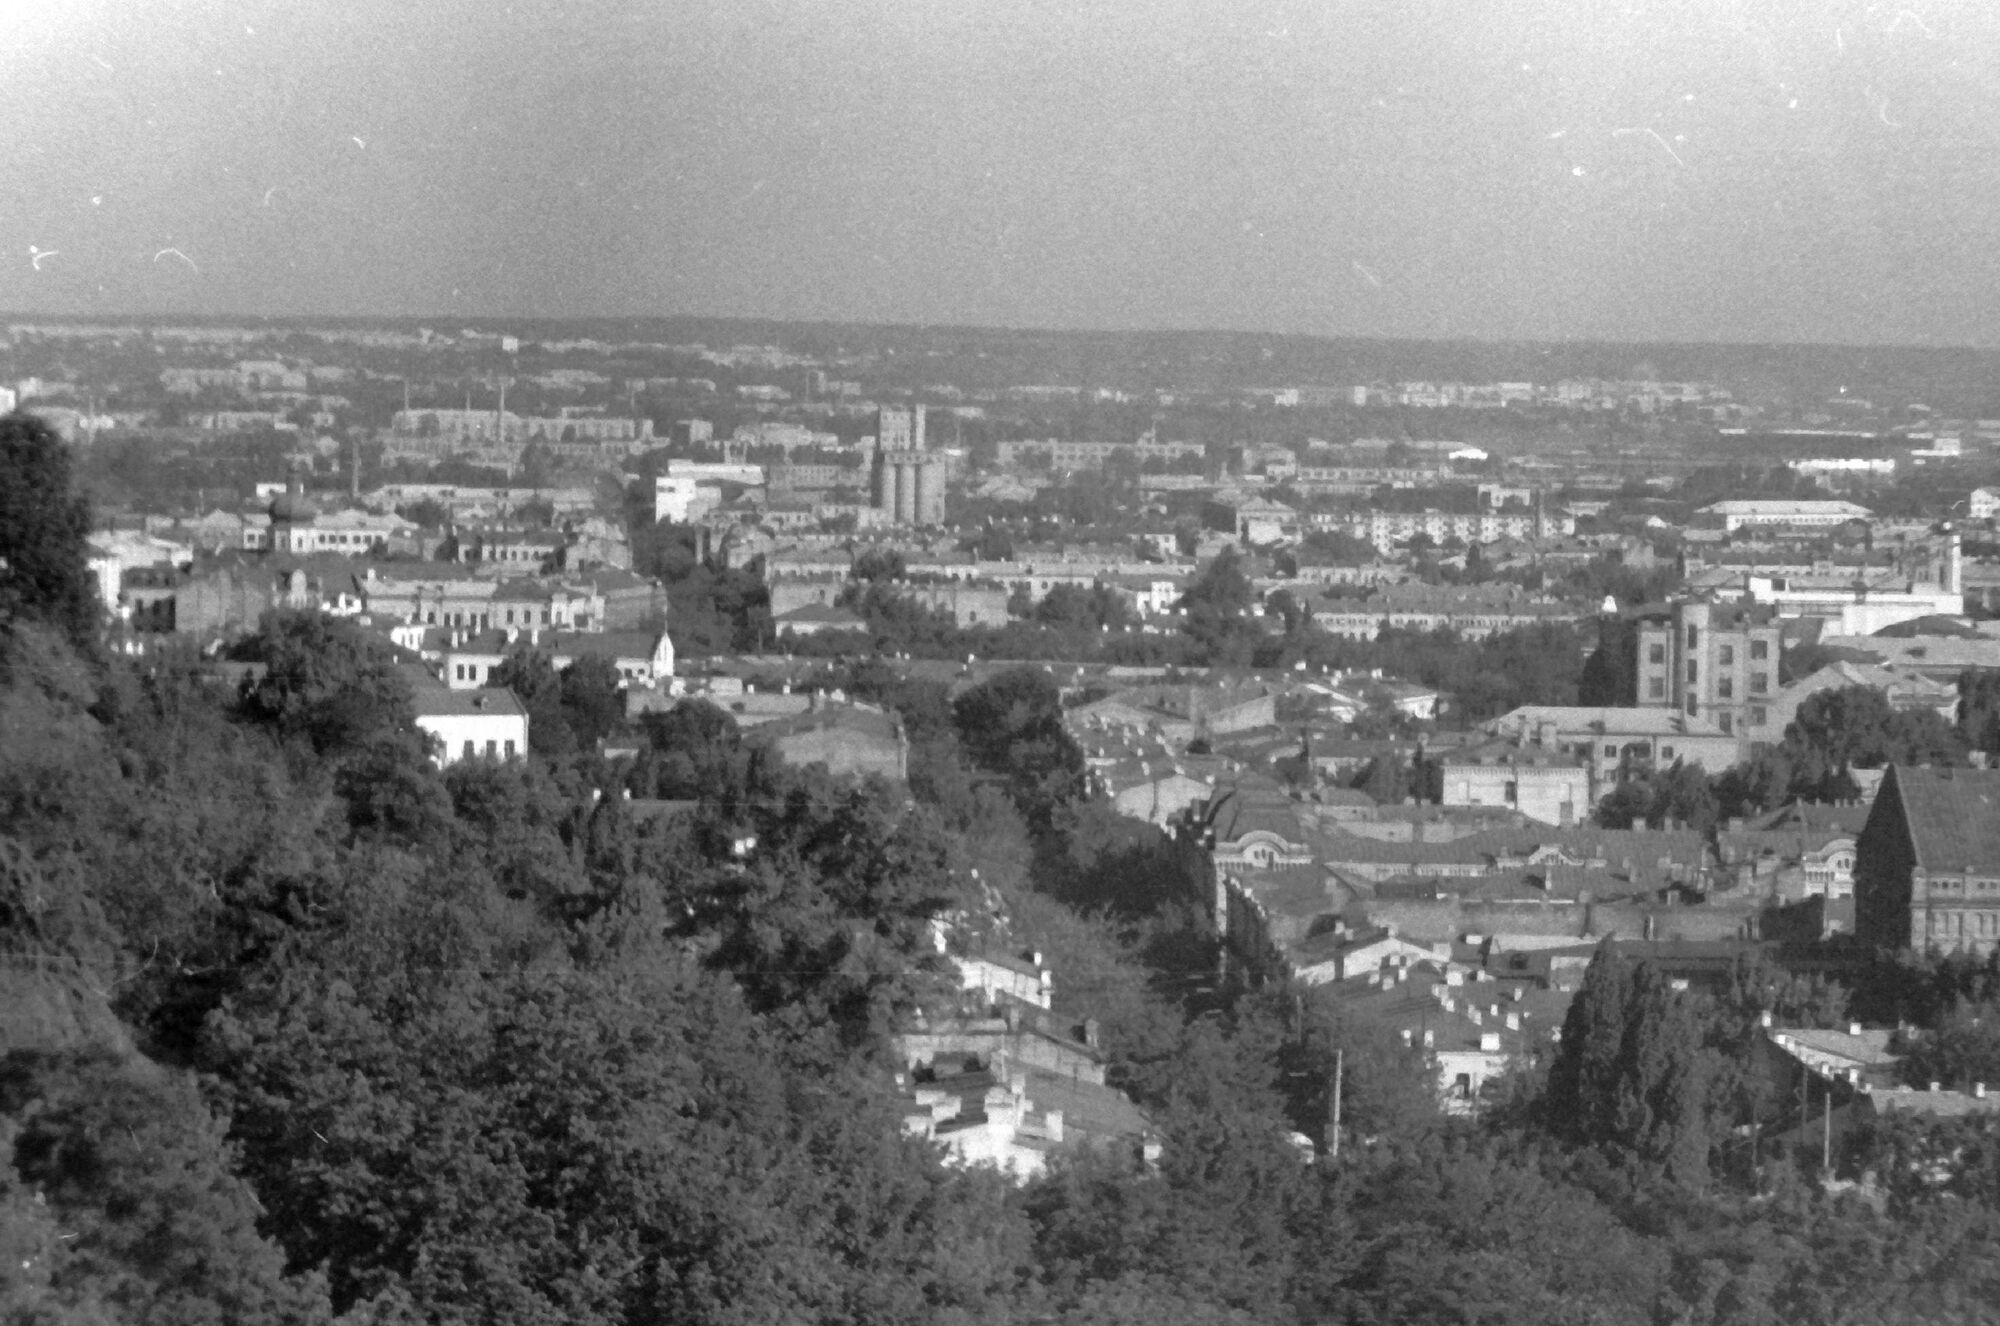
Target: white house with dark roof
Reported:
point(466, 659)
point(473, 724)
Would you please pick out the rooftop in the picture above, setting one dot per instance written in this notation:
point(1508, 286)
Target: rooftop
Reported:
point(1954, 817)
point(435, 703)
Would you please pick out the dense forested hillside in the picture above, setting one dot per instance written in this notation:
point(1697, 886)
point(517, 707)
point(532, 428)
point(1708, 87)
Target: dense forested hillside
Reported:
point(298, 1028)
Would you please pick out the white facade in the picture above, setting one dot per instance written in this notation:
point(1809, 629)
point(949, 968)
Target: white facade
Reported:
point(483, 724)
point(681, 498)
point(1736, 514)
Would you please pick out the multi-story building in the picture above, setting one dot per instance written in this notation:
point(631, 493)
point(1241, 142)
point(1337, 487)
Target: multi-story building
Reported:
point(1927, 864)
point(1619, 741)
point(1061, 455)
point(1736, 513)
point(900, 428)
point(503, 425)
point(1550, 785)
point(909, 486)
point(1717, 661)
point(1387, 529)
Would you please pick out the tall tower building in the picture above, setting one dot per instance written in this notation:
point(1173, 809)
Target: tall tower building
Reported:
point(1711, 660)
point(908, 481)
point(900, 428)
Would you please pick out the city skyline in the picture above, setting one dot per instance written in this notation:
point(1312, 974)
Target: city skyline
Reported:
point(1533, 170)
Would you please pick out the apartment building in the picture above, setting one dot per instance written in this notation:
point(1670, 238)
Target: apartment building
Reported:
point(1717, 661)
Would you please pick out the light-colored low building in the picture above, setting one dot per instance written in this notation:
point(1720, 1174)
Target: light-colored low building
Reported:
point(466, 659)
point(1553, 786)
point(1736, 513)
point(473, 724)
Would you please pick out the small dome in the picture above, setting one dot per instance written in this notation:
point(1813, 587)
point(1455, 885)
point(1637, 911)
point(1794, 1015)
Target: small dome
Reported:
point(291, 505)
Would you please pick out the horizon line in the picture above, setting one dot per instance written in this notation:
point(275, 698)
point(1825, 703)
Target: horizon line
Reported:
point(1720, 343)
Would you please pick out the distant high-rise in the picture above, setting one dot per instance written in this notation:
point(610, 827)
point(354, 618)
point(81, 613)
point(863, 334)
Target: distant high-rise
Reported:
point(900, 428)
point(908, 482)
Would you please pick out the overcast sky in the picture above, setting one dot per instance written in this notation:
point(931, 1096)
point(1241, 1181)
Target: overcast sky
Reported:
point(1816, 170)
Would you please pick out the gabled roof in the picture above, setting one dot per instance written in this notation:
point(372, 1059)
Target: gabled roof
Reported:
point(821, 613)
point(1954, 817)
point(1249, 806)
point(489, 700)
point(1812, 817)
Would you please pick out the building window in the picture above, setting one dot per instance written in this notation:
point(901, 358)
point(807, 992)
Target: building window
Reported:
point(1725, 687)
point(1656, 688)
point(1694, 636)
point(492, 748)
point(1610, 751)
point(1694, 672)
point(1727, 722)
point(1656, 653)
point(468, 750)
point(510, 748)
point(1666, 752)
point(1759, 650)
point(1760, 683)
point(1758, 717)
point(1728, 656)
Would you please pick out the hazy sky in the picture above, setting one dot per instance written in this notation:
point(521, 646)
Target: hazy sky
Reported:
point(1663, 169)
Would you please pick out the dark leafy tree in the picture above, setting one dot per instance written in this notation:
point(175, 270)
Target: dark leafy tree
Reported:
point(1979, 709)
point(326, 683)
point(150, 1223)
point(1216, 609)
point(44, 572)
point(1630, 1072)
point(593, 699)
point(1012, 728)
point(531, 675)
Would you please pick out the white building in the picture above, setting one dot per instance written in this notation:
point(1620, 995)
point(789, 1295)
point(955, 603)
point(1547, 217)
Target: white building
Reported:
point(1735, 514)
point(468, 658)
point(480, 724)
point(1862, 609)
point(682, 498)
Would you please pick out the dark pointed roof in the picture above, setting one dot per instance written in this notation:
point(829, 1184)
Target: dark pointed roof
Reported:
point(1954, 817)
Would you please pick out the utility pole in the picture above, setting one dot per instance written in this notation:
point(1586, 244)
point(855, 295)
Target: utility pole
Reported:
point(1333, 1137)
point(1826, 1132)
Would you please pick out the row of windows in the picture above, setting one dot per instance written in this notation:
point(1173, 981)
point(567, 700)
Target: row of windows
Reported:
point(493, 750)
point(1982, 924)
point(1965, 885)
point(1760, 650)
